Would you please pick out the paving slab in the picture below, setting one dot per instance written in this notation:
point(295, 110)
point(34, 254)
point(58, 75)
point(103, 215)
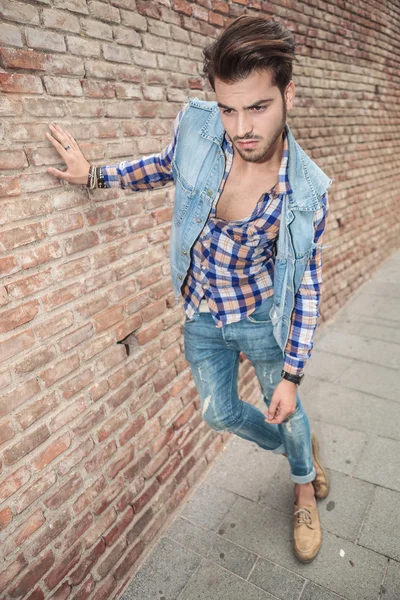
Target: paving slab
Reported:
point(391, 585)
point(339, 405)
point(218, 549)
point(164, 574)
point(380, 463)
point(212, 582)
point(343, 511)
point(208, 506)
point(381, 529)
point(377, 306)
point(316, 592)
point(341, 447)
point(376, 329)
point(245, 470)
point(280, 582)
point(372, 379)
point(326, 366)
point(357, 575)
point(361, 347)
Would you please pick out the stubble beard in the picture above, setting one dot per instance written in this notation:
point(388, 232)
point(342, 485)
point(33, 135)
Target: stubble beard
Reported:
point(257, 155)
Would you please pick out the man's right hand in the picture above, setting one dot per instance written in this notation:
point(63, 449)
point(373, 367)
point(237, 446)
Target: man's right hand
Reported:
point(77, 165)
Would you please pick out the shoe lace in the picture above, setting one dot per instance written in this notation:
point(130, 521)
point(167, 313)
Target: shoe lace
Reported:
point(303, 516)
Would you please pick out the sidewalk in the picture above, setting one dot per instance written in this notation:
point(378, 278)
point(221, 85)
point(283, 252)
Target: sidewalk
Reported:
point(232, 538)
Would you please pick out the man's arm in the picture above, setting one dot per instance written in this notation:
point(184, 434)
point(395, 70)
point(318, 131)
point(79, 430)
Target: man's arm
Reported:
point(147, 172)
point(305, 314)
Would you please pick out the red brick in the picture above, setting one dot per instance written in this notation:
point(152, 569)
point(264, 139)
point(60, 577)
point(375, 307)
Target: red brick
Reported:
point(80, 242)
point(29, 284)
point(15, 83)
point(100, 526)
point(18, 396)
point(5, 517)
point(75, 337)
point(68, 414)
point(101, 457)
point(29, 442)
point(139, 525)
point(84, 567)
point(54, 325)
point(54, 449)
point(75, 456)
point(7, 432)
point(59, 370)
point(21, 59)
point(34, 491)
point(40, 255)
point(63, 492)
point(62, 296)
point(108, 317)
point(65, 223)
point(20, 236)
point(9, 186)
point(24, 531)
point(129, 560)
point(132, 429)
point(76, 384)
point(12, 571)
point(89, 420)
point(169, 469)
point(37, 569)
point(50, 531)
point(14, 317)
point(89, 495)
point(13, 482)
point(33, 412)
point(63, 566)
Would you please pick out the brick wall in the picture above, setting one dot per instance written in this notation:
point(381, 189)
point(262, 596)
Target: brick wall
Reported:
point(99, 447)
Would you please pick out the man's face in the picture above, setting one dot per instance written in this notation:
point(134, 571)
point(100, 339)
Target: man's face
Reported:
point(254, 114)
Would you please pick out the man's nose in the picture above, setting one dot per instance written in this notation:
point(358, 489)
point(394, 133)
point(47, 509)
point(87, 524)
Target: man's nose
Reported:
point(244, 126)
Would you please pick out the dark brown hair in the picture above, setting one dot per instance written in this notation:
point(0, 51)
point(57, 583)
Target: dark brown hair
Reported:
point(251, 44)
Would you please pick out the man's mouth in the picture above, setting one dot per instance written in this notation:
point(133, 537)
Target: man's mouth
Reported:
point(248, 143)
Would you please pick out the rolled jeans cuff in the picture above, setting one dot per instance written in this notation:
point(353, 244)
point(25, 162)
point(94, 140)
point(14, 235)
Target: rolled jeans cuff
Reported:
point(304, 478)
point(279, 450)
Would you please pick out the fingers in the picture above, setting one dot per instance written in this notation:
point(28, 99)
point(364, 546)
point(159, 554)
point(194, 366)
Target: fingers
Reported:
point(60, 174)
point(57, 145)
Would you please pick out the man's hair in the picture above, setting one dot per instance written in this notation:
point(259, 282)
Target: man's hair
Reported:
point(251, 44)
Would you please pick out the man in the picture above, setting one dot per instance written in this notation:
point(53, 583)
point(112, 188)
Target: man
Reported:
point(249, 216)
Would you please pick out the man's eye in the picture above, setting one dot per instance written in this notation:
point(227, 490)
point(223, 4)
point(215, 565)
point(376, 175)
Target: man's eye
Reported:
point(258, 108)
point(227, 111)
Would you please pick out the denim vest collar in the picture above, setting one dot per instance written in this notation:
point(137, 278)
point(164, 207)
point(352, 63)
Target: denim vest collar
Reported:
point(307, 181)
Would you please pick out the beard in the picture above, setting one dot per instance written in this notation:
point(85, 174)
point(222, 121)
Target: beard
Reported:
point(259, 154)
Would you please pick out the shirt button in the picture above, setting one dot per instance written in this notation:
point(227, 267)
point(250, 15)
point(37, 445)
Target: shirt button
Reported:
point(198, 220)
point(184, 252)
point(209, 193)
point(179, 276)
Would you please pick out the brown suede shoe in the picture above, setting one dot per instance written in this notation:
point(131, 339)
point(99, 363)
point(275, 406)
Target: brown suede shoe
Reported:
point(307, 534)
point(321, 481)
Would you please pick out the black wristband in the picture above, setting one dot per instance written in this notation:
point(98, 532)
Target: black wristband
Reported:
point(297, 379)
point(100, 178)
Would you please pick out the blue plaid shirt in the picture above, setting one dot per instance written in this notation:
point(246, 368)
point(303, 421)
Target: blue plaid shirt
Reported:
point(232, 262)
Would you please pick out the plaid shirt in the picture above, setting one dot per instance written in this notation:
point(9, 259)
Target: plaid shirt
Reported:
point(233, 261)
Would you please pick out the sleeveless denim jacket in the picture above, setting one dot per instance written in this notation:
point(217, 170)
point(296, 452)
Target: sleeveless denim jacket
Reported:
point(197, 169)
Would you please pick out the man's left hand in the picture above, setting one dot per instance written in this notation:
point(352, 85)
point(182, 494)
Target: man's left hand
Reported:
point(283, 402)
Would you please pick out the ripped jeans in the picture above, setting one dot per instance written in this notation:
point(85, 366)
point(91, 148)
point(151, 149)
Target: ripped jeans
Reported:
point(213, 356)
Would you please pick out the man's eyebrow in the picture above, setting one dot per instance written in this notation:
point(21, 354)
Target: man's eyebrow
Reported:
point(263, 101)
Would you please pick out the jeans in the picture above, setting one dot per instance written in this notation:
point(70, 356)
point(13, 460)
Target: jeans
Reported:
point(213, 356)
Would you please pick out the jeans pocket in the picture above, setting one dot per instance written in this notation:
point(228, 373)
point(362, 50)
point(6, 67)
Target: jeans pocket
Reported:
point(261, 314)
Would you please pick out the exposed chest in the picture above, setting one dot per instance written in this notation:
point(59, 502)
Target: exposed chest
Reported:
point(241, 194)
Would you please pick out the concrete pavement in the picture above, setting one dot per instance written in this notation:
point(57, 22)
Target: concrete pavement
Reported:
point(232, 537)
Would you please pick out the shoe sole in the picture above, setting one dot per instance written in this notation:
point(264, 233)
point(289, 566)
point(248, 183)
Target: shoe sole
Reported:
point(315, 446)
point(306, 560)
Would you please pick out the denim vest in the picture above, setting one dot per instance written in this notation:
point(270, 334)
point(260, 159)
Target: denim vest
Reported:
point(198, 167)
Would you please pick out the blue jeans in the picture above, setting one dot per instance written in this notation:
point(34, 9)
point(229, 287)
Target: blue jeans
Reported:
point(213, 356)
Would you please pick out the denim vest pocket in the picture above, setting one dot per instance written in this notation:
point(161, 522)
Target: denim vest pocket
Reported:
point(184, 192)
